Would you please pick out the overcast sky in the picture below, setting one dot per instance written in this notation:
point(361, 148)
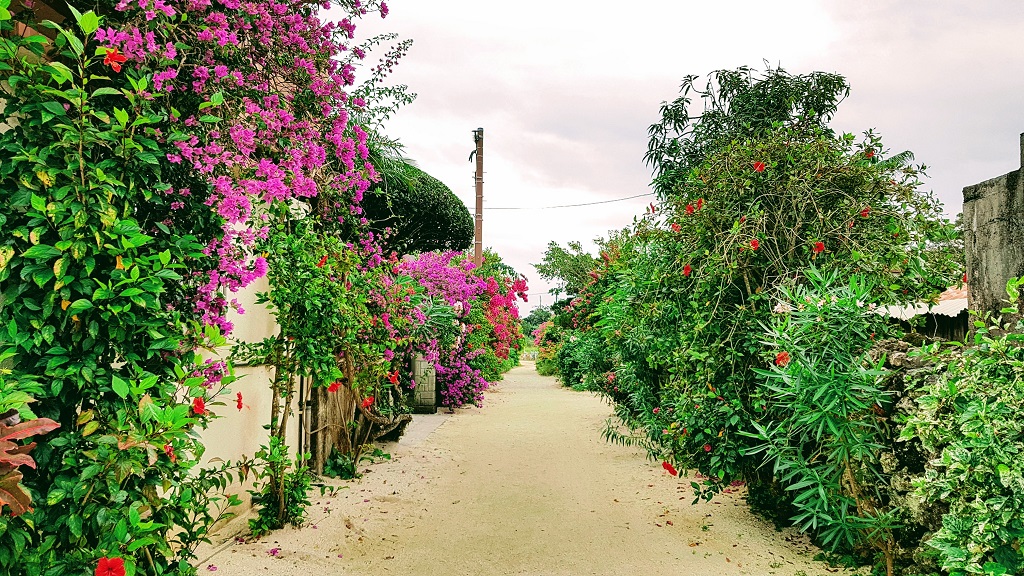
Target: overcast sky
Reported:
point(565, 91)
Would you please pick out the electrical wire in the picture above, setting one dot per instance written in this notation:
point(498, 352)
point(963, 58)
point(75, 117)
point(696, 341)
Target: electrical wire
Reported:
point(566, 205)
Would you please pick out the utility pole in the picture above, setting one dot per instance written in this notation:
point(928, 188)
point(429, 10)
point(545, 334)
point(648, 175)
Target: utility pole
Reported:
point(478, 253)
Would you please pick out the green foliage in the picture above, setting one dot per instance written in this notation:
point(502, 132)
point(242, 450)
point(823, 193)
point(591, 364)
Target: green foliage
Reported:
point(969, 422)
point(414, 212)
point(535, 318)
point(341, 465)
point(823, 429)
point(570, 267)
point(281, 490)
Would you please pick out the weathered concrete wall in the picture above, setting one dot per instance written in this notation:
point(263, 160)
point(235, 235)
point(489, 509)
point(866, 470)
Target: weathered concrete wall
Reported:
point(994, 237)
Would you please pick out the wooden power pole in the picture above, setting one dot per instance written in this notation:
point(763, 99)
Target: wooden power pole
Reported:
point(478, 251)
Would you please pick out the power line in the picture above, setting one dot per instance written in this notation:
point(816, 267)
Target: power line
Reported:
point(569, 205)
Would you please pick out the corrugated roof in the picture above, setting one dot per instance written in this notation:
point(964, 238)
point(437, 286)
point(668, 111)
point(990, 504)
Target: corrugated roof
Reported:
point(950, 303)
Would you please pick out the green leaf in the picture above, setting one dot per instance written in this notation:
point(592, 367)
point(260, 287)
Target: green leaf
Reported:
point(120, 387)
point(106, 91)
point(79, 305)
point(38, 203)
point(88, 22)
point(41, 252)
point(55, 107)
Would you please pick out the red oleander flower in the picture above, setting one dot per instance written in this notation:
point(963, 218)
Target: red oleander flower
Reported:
point(869, 153)
point(676, 227)
point(759, 166)
point(334, 386)
point(707, 447)
point(782, 358)
point(114, 59)
point(238, 400)
point(864, 213)
point(199, 406)
point(670, 468)
point(110, 567)
point(819, 247)
point(687, 270)
point(367, 402)
point(754, 244)
point(689, 209)
point(322, 261)
point(700, 203)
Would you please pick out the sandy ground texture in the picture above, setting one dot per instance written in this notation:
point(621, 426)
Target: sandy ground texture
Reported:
point(525, 486)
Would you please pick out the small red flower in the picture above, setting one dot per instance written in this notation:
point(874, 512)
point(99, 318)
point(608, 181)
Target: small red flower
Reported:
point(322, 261)
point(110, 567)
point(851, 223)
point(869, 153)
point(393, 377)
point(689, 210)
point(700, 203)
point(782, 358)
point(759, 166)
point(334, 386)
point(754, 244)
point(114, 59)
point(864, 213)
point(238, 400)
point(676, 227)
point(653, 208)
point(368, 401)
point(656, 410)
point(964, 279)
point(819, 247)
point(743, 219)
point(707, 447)
point(199, 406)
point(169, 450)
point(687, 270)
point(670, 468)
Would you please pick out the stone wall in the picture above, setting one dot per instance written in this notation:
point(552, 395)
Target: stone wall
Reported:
point(994, 237)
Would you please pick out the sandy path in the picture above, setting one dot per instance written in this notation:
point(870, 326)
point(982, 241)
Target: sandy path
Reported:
point(523, 486)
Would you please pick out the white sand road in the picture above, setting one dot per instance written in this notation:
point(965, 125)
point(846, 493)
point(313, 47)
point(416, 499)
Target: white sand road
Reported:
point(524, 485)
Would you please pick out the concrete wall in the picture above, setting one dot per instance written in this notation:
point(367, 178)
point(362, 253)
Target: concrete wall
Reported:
point(994, 237)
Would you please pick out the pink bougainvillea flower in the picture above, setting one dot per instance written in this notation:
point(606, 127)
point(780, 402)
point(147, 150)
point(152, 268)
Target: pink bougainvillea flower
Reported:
point(238, 400)
point(274, 551)
point(707, 447)
point(864, 213)
point(754, 244)
point(368, 401)
point(687, 270)
point(199, 406)
point(759, 166)
point(689, 209)
point(322, 261)
point(819, 247)
point(676, 227)
point(114, 59)
point(782, 358)
point(110, 567)
point(700, 203)
point(869, 153)
point(334, 386)
point(670, 468)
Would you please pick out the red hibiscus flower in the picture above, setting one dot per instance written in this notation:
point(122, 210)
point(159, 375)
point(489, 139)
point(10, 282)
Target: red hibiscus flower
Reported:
point(334, 386)
point(689, 209)
point(322, 261)
point(199, 406)
point(869, 153)
point(238, 400)
point(759, 166)
point(393, 377)
point(864, 213)
point(671, 469)
point(782, 358)
point(700, 203)
point(754, 244)
point(687, 270)
point(819, 247)
point(676, 227)
point(367, 402)
point(707, 447)
point(114, 59)
point(110, 567)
